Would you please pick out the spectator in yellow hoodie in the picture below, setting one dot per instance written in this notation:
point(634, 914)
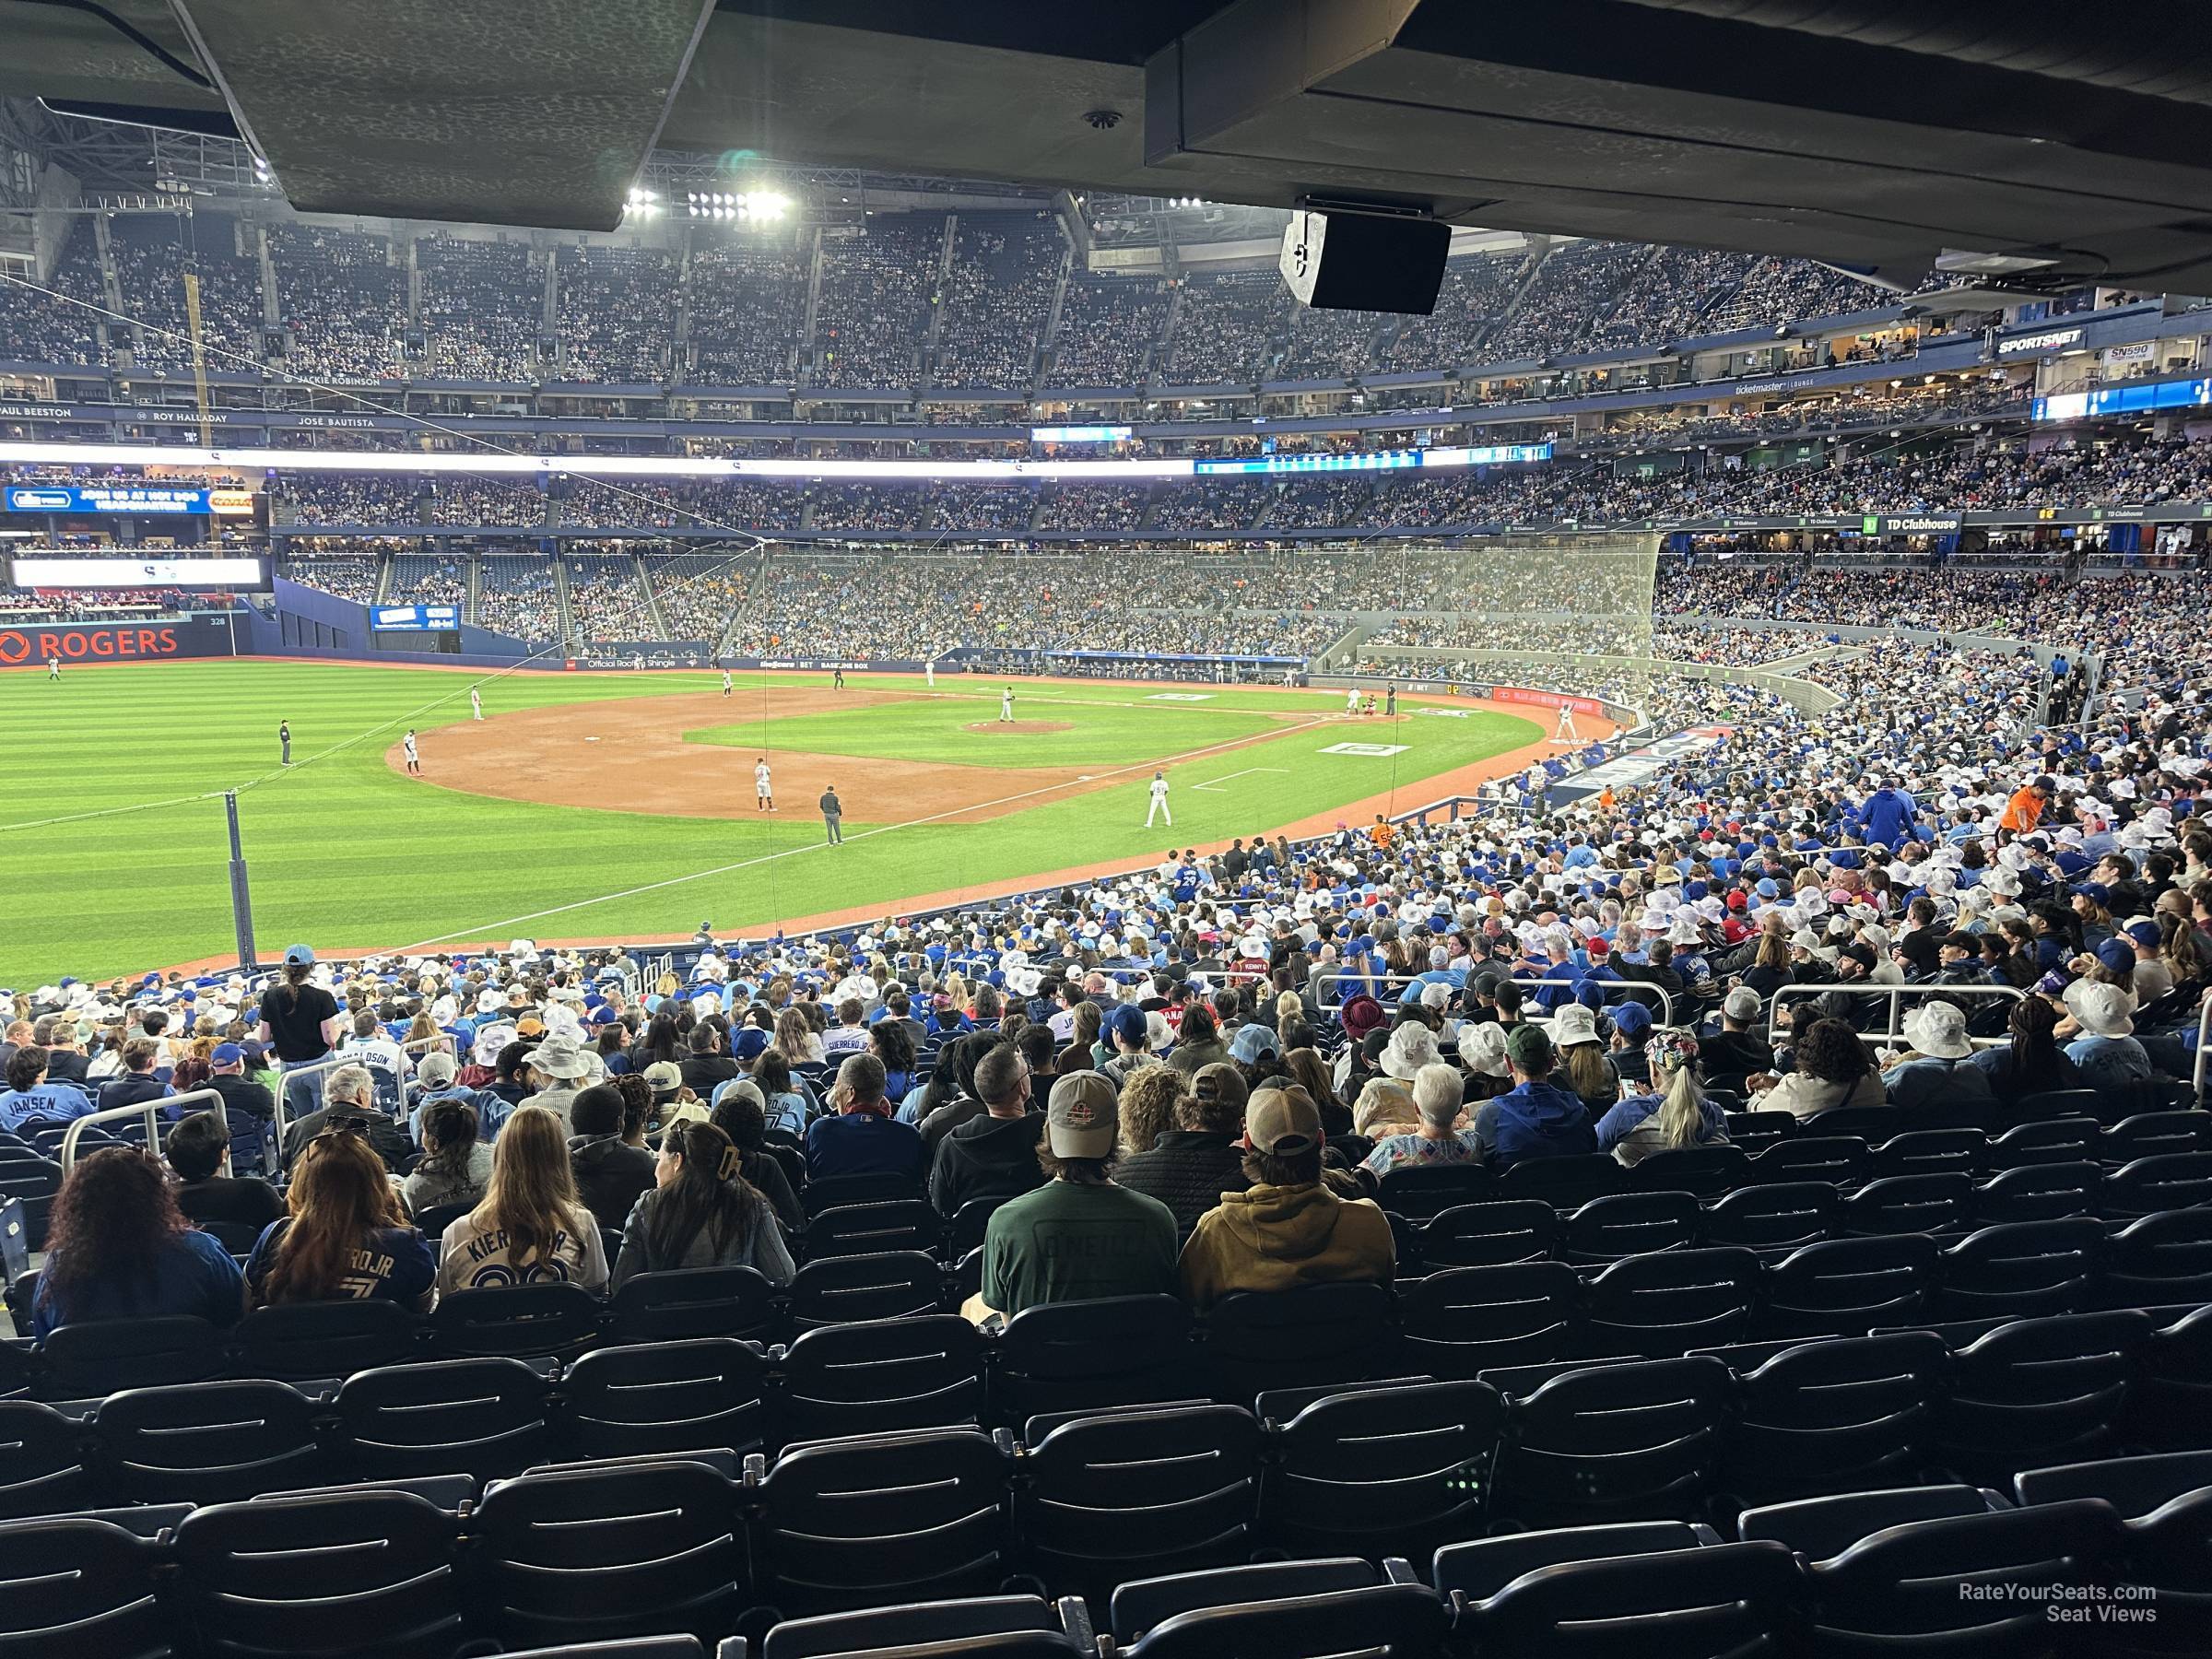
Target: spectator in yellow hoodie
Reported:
point(1289, 1229)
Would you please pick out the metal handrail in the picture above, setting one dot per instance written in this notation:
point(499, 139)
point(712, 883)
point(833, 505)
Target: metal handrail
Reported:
point(150, 1109)
point(1893, 1025)
point(1624, 988)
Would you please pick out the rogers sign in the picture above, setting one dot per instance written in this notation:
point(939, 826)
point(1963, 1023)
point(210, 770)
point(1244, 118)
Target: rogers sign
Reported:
point(20, 646)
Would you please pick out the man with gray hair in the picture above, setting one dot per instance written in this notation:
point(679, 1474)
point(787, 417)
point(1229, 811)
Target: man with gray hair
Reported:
point(349, 1103)
point(1738, 1050)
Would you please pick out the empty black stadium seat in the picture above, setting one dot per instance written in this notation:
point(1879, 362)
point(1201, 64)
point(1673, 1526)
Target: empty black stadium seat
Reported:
point(295, 1341)
point(1622, 1224)
point(2152, 1133)
point(1906, 1204)
point(629, 1549)
point(1839, 1161)
point(1478, 1569)
point(895, 1284)
point(1296, 1338)
point(1563, 1182)
point(1664, 1305)
point(1820, 1528)
point(1481, 1235)
point(1833, 1415)
point(1066, 1355)
point(666, 1396)
point(1463, 1320)
point(841, 1191)
point(2134, 1485)
point(1420, 1191)
point(2038, 1391)
point(81, 1586)
point(1726, 1598)
point(485, 1418)
point(102, 1355)
point(2048, 1140)
point(208, 1442)
point(1771, 1215)
point(1132, 1495)
point(45, 1467)
point(1703, 1171)
point(1061, 1631)
point(878, 1520)
point(2023, 1268)
point(515, 1320)
point(1400, 1620)
point(2164, 1181)
point(693, 1301)
point(1396, 1470)
point(888, 1374)
point(1640, 1441)
point(2173, 1403)
point(1848, 1285)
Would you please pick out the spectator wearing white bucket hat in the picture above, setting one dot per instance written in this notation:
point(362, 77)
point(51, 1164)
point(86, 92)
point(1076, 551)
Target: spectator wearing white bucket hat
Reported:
point(1411, 1046)
point(2101, 1025)
point(1937, 1071)
point(557, 1065)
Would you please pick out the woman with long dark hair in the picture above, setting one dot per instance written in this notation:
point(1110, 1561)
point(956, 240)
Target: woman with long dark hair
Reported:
point(661, 1042)
point(894, 1045)
point(702, 1213)
point(457, 1165)
point(2031, 1063)
point(117, 1247)
point(344, 1236)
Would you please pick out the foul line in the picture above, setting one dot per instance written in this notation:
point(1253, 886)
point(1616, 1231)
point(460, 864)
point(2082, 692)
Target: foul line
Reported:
point(489, 929)
point(1247, 772)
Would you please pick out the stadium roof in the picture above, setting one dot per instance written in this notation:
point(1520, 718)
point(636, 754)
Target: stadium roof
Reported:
point(1867, 132)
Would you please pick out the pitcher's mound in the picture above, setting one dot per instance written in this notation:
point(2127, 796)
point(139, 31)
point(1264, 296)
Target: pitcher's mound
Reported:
point(1020, 728)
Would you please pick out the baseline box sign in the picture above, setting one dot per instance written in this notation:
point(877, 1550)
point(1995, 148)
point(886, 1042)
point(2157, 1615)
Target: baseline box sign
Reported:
point(128, 498)
point(1548, 700)
point(414, 619)
point(112, 642)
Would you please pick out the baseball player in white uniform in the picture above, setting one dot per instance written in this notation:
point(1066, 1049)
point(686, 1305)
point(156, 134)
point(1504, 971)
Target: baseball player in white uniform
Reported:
point(414, 760)
point(475, 703)
point(1006, 703)
point(929, 670)
point(725, 682)
point(1351, 701)
point(1159, 802)
point(764, 792)
point(1566, 734)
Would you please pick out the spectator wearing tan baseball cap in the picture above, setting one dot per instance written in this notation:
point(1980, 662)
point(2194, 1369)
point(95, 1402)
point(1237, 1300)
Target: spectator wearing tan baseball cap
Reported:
point(1289, 1230)
point(1080, 1236)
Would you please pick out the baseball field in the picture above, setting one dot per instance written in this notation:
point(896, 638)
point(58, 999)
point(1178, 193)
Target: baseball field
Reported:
point(618, 805)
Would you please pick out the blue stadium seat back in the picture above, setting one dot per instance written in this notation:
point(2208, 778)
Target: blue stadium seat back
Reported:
point(1641, 1441)
point(2151, 1132)
point(1485, 1235)
point(363, 1574)
point(1144, 1602)
point(892, 1374)
point(1928, 1152)
point(1403, 1621)
point(1420, 1191)
point(627, 1550)
point(1904, 1580)
point(2055, 1103)
point(2134, 1485)
point(1390, 1471)
point(2164, 1181)
point(208, 1442)
point(899, 1283)
point(485, 1418)
point(915, 1625)
point(1667, 1302)
point(1754, 1132)
point(1840, 1160)
point(1831, 1414)
point(1564, 1181)
point(1846, 1287)
point(872, 1228)
point(1292, 1338)
point(876, 1521)
point(2021, 1268)
point(1478, 1569)
point(1116, 1350)
point(1873, 1124)
point(2050, 1140)
point(666, 1396)
point(2171, 1407)
point(1460, 1322)
point(1817, 1528)
point(515, 1321)
point(1771, 1215)
point(1626, 1224)
point(45, 1462)
point(1889, 1205)
point(838, 1192)
point(1133, 1495)
point(292, 1341)
point(2039, 1391)
point(75, 1586)
point(103, 1356)
point(2041, 1192)
point(1722, 1599)
point(1704, 1173)
point(682, 1302)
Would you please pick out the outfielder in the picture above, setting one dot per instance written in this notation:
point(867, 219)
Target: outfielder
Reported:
point(764, 792)
point(414, 759)
point(1159, 802)
point(53, 666)
point(475, 703)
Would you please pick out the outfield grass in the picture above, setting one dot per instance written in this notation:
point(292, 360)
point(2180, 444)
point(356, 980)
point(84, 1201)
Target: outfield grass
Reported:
point(346, 854)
